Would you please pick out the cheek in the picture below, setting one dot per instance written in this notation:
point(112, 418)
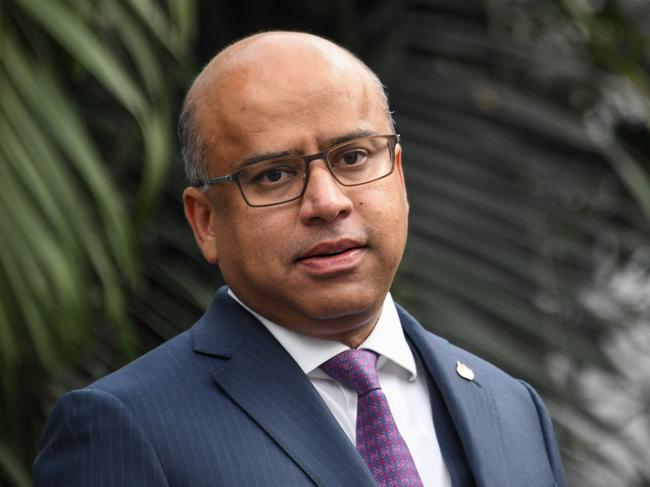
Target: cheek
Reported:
point(386, 205)
point(256, 241)
point(389, 220)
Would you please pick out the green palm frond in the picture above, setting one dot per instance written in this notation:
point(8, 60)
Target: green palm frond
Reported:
point(85, 117)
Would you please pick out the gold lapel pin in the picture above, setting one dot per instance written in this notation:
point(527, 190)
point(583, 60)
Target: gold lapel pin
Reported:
point(464, 371)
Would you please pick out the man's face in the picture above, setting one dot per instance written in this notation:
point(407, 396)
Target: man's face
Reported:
point(277, 259)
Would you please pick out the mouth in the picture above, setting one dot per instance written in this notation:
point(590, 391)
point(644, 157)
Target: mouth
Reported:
point(332, 257)
point(331, 248)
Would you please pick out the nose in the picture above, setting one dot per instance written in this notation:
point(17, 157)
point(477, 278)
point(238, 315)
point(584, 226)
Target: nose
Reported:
point(324, 199)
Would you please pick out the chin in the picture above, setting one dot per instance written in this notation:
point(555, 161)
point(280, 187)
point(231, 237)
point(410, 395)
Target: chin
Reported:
point(357, 307)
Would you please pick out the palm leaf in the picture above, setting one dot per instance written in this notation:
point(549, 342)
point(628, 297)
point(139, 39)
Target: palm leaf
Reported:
point(513, 197)
point(69, 260)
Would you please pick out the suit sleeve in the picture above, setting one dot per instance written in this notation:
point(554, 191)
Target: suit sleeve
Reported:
point(91, 438)
point(552, 449)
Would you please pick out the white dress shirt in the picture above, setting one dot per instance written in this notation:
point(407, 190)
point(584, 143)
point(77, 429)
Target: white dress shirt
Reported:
point(406, 390)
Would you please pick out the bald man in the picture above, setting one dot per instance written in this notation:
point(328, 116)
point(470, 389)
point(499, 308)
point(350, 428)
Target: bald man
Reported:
point(303, 371)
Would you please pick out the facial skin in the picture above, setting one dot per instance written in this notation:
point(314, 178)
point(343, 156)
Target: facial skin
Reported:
point(296, 93)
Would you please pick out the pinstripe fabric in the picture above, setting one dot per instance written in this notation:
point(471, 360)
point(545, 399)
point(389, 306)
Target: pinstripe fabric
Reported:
point(224, 405)
point(503, 426)
point(125, 444)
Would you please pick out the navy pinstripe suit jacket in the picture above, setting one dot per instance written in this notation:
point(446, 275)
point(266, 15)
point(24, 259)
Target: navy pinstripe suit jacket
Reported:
point(223, 404)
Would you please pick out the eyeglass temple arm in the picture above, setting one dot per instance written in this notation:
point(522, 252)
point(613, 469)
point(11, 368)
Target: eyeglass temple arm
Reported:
point(197, 183)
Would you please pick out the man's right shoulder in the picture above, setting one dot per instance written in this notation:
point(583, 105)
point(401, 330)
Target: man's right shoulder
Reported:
point(152, 370)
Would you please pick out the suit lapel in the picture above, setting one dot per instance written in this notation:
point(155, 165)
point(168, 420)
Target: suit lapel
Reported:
point(470, 403)
point(261, 377)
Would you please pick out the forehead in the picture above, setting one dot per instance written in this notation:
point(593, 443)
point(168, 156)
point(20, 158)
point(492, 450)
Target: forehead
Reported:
point(275, 99)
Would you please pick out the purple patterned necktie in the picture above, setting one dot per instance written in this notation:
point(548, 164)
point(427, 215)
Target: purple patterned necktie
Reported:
point(378, 440)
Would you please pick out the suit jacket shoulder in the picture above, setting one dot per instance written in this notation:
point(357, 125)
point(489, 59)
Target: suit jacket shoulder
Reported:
point(224, 404)
point(503, 425)
point(220, 404)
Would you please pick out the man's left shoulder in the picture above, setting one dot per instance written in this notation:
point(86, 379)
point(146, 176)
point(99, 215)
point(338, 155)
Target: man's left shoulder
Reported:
point(463, 361)
point(481, 370)
point(487, 398)
point(509, 393)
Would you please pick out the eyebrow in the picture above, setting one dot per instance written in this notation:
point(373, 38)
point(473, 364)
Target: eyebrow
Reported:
point(264, 157)
point(350, 136)
point(330, 143)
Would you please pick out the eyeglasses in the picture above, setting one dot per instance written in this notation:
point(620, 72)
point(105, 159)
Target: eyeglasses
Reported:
point(276, 181)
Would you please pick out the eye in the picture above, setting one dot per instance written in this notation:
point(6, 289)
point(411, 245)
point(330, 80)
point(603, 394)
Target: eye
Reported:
point(272, 176)
point(350, 158)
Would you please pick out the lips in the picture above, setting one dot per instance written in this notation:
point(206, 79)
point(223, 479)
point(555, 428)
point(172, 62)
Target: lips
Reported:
point(332, 257)
point(327, 249)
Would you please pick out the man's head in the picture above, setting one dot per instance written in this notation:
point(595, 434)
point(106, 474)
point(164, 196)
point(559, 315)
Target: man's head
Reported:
point(279, 94)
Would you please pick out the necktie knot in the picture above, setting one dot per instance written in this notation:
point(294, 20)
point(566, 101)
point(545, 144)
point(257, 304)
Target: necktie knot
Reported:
point(355, 369)
point(379, 442)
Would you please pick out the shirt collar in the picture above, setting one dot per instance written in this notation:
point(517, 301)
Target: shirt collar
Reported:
point(387, 339)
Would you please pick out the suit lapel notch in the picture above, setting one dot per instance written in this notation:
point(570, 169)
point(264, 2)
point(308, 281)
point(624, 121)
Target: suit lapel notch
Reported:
point(470, 402)
point(263, 379)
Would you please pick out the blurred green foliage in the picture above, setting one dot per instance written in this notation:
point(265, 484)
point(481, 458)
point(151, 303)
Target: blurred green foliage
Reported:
point(525, 129)
point(89, 95)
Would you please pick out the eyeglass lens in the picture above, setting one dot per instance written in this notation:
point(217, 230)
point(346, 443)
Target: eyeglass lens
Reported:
point(357, 162)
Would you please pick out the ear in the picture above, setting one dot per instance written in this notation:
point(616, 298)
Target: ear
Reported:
point(400, 172)
point(201, 216)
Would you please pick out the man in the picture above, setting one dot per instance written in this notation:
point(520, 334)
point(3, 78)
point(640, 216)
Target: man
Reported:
point(303, 371)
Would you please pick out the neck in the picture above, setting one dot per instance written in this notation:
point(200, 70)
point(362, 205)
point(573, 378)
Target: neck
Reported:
point(355, 337)
point(351, 330)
